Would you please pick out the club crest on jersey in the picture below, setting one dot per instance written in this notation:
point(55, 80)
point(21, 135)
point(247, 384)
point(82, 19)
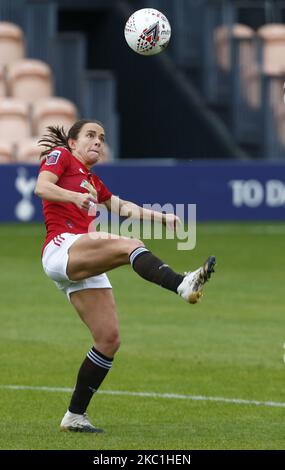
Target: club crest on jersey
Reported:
point(53, 157)
point(90, 188)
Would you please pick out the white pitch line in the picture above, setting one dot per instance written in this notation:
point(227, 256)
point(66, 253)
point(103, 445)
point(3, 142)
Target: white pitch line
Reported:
point(237, 401)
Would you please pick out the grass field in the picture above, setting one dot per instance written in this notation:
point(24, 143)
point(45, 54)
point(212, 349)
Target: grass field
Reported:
point(228, 346)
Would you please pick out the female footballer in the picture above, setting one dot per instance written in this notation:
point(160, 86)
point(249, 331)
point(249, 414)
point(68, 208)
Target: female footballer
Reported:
point(77, 259)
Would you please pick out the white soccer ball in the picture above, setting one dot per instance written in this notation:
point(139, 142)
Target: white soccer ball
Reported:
point(147, 31)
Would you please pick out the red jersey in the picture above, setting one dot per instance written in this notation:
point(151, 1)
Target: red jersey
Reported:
point(63, 217)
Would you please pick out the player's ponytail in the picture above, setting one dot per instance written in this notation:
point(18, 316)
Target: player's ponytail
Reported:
point(55, 137)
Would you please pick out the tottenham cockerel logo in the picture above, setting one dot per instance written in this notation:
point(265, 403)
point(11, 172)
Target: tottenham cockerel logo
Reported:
point(148, 38)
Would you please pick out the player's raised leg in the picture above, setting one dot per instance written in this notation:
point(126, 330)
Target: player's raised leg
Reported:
point(101, 252)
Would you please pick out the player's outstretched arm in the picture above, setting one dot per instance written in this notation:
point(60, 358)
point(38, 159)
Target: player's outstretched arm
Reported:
point(130, 209)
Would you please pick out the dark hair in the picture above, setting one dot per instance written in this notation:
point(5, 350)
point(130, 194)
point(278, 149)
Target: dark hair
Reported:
point(57, 137)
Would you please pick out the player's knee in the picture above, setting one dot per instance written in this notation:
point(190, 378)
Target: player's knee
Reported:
point(110, 342)
point(126, 247)
point(133, 243)
point(114, 340)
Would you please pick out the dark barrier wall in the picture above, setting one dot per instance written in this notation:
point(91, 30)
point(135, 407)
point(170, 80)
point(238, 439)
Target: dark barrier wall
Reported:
point(221, 191)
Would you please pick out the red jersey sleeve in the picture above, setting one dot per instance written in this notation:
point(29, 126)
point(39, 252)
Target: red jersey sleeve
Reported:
point(56, 161)
point(102, 191)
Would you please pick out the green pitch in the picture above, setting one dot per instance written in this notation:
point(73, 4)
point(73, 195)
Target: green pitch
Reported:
point(228, 346)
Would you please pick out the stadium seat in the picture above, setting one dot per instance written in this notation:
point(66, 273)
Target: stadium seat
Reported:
point(14, 120)
point(6, 152)
point(257, 90)
point(29, 79)
point(246, 65)
point(273, 114)
point(222, 42)
point(11, 43)
point(246, 96)
point(225, 37)
point(272, 43)
point(28, 150)
point(53, 111)
point(272, 37)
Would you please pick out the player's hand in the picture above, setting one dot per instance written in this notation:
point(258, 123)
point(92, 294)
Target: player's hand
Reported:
point(171, 221)
point(84, 201)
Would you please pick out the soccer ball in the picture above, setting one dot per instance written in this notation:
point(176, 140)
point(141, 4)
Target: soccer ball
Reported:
point(147, 31)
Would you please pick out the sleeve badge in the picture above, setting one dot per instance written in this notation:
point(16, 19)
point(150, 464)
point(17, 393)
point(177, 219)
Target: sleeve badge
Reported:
point(53, 157)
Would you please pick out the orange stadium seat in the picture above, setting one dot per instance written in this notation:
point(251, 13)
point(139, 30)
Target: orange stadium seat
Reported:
point(29, 79)
point(249, 79)
point(246, 50)
point(248, 65)
point(238, 39)
point(6, 152)
point(272, 37)
point(53, 111)
point(11, 43)
point(28, 150)
point(222, 38)
point(273, 114)
point(14, 120)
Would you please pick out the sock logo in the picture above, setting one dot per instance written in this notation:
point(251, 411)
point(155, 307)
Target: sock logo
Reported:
point(163, 266)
